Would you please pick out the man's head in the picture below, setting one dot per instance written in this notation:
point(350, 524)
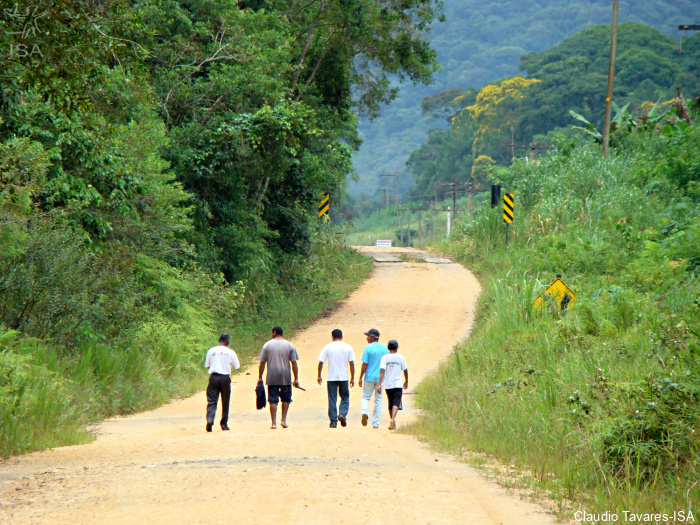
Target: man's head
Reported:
point(372, 335)
point(393, 345)
point(224, 339)
point(277, 331)
point(337, 334)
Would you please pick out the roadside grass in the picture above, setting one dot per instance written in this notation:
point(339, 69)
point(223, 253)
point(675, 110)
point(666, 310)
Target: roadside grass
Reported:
point(49, 397)
point(598, 406)
point(382, 224)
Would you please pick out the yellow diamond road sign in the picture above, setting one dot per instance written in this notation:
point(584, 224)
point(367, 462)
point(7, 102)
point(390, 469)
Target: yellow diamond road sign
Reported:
point(560, 292)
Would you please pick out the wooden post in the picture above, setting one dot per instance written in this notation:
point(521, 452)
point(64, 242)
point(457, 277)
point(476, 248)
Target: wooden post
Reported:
point(408, 210)
point(432, 225)
point(420, 227)
point(397, 199)
point(402, 227)
point(469, 201)
point(454, 204)
point(611, 77)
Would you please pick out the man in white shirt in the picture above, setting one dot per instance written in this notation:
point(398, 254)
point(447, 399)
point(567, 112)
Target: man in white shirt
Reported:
point(390, 368)
point(219, 361)
point(339, 355)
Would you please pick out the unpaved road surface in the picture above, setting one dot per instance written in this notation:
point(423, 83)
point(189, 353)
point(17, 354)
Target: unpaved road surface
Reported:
point(162, 467)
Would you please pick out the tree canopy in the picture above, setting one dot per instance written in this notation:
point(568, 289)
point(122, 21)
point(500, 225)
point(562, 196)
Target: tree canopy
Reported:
point(151, 136)
point(571, 77)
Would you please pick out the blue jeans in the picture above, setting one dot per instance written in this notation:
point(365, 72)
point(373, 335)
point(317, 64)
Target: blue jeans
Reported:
point(333, 388)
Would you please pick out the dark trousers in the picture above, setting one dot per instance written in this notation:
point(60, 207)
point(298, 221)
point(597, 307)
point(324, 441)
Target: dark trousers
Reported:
point(335, 388)
point(218, 384)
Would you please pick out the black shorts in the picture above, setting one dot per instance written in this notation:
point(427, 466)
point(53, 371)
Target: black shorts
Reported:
point(394, 395)
point(277, 392)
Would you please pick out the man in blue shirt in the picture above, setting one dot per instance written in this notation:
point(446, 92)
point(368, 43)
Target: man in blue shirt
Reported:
point(371, 358)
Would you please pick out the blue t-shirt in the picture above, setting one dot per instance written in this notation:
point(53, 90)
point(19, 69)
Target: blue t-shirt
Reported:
point(372, 356)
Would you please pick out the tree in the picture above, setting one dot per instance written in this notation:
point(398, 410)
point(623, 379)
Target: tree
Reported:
point(495, 112)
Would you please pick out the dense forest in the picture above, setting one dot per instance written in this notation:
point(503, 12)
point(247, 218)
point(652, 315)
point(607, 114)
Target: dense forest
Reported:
point(161, 163)
point(480, 43)
point(491, 126)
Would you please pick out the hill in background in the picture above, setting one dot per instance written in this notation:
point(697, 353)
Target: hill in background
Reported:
point(479, 43)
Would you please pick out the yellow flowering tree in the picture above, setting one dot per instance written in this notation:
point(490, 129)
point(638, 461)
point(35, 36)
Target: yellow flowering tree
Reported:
point(496, 112)
point(481, 169)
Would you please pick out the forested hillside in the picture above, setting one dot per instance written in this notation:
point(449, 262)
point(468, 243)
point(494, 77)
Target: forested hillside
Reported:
point(490, 126)
point(161, 164)
point(481, 42)
point(594, 404)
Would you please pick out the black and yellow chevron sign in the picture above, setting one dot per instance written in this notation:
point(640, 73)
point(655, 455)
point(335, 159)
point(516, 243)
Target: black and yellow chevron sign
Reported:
point(324, 206)
point(508, 207)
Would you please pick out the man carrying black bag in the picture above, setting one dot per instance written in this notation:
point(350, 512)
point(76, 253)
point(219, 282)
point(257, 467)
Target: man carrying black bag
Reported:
point(219, 362)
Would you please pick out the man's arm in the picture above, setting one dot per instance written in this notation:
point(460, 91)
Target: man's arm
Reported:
point(295, 369)
point(352, 374)
point(362, 373)
point(381, 378)
point(320, 367)
point(405, 383)
point(261, 369)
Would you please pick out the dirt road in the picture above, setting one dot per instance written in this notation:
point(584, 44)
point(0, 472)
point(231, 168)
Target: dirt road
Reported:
point(162, 467)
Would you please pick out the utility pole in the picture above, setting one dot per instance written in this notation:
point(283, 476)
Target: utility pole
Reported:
point(454, 189)
point(420, 224)
point(420, 227)
point(408, 228)
point(611, 77)
point(432, 224)
point(386, 193)
point(396, 175)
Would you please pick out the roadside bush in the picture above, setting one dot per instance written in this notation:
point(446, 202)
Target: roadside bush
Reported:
point(600, 403)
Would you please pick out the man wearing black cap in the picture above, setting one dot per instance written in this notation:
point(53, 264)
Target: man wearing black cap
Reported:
point(371, 358)
point(391, 366)
point(219, 361)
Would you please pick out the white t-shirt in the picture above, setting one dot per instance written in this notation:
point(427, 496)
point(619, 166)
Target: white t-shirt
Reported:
point(220, 359)
point(393, 365)
point(338, 354)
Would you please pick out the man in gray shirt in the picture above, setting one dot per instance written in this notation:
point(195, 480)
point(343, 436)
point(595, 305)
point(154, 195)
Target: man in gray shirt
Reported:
point(279, 353)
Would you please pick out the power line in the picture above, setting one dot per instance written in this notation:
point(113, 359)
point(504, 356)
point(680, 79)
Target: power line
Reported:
point(588, 16)
point(653, 18)
point(686, 13)
point(629, 10)
point(563, 17)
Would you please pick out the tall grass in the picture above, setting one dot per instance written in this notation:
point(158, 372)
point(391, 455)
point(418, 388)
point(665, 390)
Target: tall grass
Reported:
point(49, 395)
point(599, 406)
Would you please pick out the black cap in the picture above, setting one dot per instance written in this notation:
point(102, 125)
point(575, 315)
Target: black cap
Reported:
point(373, 332)
point(392, 344)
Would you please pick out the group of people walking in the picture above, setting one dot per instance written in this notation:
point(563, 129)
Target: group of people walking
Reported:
point(382, 368)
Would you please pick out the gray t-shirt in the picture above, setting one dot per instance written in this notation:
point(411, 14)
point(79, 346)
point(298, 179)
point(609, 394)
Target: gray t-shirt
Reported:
point(278, 353)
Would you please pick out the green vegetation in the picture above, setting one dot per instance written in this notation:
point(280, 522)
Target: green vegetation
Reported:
point(598, 405)
point(481, 42)
point(382, 224)
point(160, 167)
point(49, 395)
point(502, 119)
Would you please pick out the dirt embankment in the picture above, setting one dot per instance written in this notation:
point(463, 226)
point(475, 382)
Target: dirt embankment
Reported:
point(162, 467)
